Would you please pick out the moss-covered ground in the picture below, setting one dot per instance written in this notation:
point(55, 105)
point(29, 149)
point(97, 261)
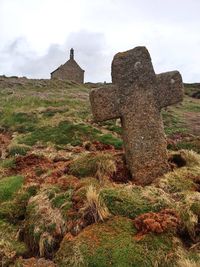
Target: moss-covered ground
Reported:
point(66, 195)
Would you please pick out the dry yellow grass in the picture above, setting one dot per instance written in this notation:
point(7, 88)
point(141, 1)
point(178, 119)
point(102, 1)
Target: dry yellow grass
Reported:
point(100, 165)
point(187, 263)
point(94, 206)
point(192, 158)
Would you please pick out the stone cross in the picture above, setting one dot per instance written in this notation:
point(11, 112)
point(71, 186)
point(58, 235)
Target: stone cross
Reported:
point(137, 97)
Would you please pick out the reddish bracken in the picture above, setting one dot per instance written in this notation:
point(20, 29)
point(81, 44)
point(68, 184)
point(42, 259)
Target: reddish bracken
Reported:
point(4, 142)
point(36, 169)
point(102, 147)
point(165, 220)
point(31, 160)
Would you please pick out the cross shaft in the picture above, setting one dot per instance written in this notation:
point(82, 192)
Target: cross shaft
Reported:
point(137, 97)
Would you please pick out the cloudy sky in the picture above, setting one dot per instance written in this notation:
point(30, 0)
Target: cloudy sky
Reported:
point(36, 35)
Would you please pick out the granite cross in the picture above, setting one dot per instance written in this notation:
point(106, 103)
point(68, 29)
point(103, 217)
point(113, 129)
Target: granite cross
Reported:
point(137, 97)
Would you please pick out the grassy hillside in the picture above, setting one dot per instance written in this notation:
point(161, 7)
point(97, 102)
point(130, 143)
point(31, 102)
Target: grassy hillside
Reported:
point(66, 195)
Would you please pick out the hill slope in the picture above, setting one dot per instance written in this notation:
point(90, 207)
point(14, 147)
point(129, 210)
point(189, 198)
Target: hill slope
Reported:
point(66, 196)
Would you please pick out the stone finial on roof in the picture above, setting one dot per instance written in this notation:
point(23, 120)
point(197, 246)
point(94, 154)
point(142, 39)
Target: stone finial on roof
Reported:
point(71, 53)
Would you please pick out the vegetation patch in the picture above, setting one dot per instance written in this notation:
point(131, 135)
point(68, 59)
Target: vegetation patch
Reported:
point(15, 150)
point(20, 122)
point(189, 212)
point(131, 201)
point(14, 210)
point(9, 186)
point(173, 123)
point(8, 163)
point(10, 247)
point(65, 133)
point(112, 243)
point(109, 139)
point(100, 165)
point(163, 221)
point(191, 144)
point(44, 224)
point(185, 178)
point(177, 181)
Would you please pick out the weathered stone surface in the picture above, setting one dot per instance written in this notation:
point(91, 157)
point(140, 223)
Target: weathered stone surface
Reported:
point(137, 96)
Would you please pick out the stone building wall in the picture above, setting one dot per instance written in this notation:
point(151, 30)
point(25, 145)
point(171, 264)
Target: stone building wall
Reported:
point(69, 71)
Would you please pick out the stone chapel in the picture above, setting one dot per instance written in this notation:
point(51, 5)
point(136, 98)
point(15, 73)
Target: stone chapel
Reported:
point(69, 71)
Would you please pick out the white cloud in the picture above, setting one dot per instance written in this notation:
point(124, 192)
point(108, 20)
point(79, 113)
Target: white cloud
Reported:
point(37, 34)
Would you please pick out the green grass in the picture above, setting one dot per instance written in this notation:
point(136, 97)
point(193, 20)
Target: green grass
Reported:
point(7, 163)
point(173, 123)
point(89, 165)
point(112, 243)
point(191, 88)
point(61, 199)
point(21, 122)
point(192, 107)
point(69, 133)
point(9, 186)
point(18, 150)
point(109, 139)
point(10, 247)
point(133, 202)
point(13, 210)
point(64, 133)
point(193, 144)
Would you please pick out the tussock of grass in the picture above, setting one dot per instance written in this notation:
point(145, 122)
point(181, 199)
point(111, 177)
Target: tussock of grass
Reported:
point(44, 224)
point(99, 165)
point(177, 181)
point(15, 150)
point(10, 247)
point(94, 209)
point(7, 163)
point(189, 210)
point(15, 209)
point(9, 186)
point(184, 178)
point(192, 158)
point(82, 188)
point(132, 201)
point(187, 263)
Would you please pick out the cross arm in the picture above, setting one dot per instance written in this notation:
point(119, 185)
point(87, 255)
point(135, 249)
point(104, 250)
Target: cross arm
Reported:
point(169, 88)
point(104, 103)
